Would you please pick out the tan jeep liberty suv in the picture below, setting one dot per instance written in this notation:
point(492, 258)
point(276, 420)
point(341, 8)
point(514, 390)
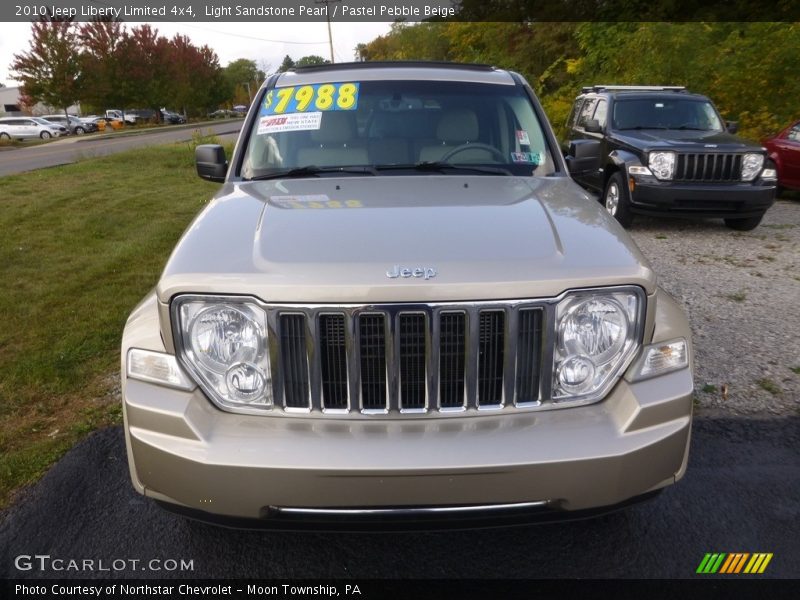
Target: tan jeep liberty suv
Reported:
point(399, 306)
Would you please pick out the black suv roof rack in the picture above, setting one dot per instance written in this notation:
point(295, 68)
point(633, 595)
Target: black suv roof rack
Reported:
point(632, 88)
point(403, 64)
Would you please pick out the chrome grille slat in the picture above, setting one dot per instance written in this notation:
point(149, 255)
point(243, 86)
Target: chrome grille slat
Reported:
point(528, 356)
point(452, 350)
point(490, 357)
point(333, 361)
point(411, 349)
point(294, 360)
point(708, 167)
point(372, 345)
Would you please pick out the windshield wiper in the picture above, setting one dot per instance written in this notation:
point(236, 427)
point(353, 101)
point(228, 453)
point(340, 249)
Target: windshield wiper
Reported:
point(642, 127)
point(690, 128)
point(313, 170)
point(440, 166)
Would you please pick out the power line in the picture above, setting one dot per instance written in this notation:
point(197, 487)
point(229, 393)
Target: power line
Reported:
point(249, 37)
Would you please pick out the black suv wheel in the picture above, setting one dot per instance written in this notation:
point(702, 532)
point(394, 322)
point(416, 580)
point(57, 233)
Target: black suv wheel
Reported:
point(616, 200)
point(744, 224)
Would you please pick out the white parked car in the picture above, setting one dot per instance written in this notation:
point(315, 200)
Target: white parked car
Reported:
point(21, 128)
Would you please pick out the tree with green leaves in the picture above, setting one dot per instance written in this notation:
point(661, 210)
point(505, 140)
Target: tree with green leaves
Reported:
point(287, 64)
point(243, 78)
point(313, 59)
point(50, 71)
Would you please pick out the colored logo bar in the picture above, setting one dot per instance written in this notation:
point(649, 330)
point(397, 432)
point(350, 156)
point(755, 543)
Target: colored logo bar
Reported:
point(734, 563)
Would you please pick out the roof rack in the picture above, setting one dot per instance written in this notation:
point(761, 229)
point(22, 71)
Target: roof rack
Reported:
point(632, 88)
point(402, 64)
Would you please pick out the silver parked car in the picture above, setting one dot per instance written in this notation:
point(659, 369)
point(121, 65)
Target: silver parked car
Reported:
point(22, 128)
point(75, 125)
point(400, 306)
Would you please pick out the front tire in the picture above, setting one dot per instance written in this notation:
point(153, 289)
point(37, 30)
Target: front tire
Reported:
point(617, 200)
point(45, 135)
point(79, 131)
point(744, 224)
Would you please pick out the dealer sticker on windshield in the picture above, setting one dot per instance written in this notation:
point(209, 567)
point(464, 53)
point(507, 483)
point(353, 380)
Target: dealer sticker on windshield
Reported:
point(307, 98)
point(292, 122)
point(533, 158)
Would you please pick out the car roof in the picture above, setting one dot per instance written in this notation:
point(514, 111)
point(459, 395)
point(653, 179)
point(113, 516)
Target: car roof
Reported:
point(395, 71)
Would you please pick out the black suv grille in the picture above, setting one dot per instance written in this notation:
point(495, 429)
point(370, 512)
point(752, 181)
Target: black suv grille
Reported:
point(708, 167)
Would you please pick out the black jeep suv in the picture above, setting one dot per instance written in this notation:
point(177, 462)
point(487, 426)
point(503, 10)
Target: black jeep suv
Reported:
point(663, 151)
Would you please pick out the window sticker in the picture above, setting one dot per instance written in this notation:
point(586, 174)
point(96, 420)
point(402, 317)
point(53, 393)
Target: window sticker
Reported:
point(291, 122)
point(533, 158)
point(311, 98)
point(522, 137)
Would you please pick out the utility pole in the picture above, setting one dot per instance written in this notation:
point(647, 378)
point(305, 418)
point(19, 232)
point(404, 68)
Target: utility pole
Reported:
point(328, 16)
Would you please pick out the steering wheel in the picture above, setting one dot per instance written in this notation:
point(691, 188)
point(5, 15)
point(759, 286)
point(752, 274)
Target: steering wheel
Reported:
point(477, 146)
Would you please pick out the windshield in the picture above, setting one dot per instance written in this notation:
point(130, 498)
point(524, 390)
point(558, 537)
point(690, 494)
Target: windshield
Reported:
point(42, 121)
point(393, 127)
point(665, 113)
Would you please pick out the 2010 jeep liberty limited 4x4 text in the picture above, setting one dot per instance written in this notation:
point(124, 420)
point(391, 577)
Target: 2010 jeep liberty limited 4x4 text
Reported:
point(400, 306)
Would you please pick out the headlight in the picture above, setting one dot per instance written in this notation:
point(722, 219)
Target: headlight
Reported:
point(223, 344)
point(598, 332)
point(751, 165)
point(662, 164)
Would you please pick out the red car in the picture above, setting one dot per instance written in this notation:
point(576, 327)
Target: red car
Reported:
point(784, 150)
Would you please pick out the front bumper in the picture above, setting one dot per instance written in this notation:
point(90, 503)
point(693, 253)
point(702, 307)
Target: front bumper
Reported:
point(184, 451)
point(737, 200)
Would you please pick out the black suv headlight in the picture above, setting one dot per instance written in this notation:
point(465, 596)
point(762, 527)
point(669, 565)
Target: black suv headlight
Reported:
point(662, 164)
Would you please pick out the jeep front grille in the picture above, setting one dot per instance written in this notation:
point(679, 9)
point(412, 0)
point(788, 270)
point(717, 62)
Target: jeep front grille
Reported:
point(708, 167)
point(430, 358)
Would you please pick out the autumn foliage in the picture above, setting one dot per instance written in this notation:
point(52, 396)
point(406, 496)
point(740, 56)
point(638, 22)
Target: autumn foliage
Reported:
point(748, 69)
point(103, 64)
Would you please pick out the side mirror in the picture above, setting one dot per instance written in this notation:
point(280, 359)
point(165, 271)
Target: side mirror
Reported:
point(732, 126)
point(583, 156)
point(593, 126)
point(211, 162)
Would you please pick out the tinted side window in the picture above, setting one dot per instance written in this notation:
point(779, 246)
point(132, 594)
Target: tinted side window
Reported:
point(601, 112)
point(573, 116)
point(587, 111)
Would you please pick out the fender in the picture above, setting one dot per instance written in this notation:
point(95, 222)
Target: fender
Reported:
point(621, 160)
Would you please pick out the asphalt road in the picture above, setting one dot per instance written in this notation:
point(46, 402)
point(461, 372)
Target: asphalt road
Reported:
point(72, 149)
point(741, 494)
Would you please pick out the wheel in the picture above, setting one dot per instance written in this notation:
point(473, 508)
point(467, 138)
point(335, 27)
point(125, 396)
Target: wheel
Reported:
point(4, 136)
point(45, 135)
point(617, 201)
point(79, 131)
point(744, 224)
point(477, 146)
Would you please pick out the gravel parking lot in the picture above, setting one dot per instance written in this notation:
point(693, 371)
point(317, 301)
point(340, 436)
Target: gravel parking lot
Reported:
point(742, 292)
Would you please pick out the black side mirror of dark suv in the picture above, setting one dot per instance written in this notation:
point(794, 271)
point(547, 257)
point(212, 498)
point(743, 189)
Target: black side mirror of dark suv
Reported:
point(583, 155)
point(593, 126)
point(211, 162)
point(732, 126)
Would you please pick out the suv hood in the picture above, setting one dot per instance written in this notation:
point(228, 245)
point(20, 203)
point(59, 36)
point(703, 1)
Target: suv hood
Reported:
point(684, 140)
point(333, 239)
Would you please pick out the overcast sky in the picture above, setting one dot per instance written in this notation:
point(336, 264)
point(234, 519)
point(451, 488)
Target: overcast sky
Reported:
point(265, 43)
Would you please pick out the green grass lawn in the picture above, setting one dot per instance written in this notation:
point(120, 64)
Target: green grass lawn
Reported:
point(80, 245)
